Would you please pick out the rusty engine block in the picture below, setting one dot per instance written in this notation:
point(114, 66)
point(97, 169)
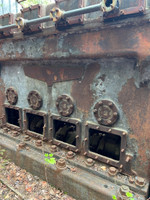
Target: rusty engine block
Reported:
point(79, 87)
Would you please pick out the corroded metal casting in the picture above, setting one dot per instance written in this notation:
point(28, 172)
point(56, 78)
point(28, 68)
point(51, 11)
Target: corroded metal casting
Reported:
point(108, 7)
point(56, 14)
point(12, 96)
point(65, 105)
point(105, 112)
point(35, 100)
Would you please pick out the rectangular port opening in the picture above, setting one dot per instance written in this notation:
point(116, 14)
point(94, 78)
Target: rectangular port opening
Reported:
point(105, 144)
point(35, 123)
point(12, 116)
point(65, 132)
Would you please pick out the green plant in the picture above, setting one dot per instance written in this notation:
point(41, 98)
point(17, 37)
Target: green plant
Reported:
point(128, 194)
point(28, 3)
point(49, 159)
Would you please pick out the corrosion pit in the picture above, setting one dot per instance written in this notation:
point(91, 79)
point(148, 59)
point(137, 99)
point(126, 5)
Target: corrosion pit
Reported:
point(105, 144)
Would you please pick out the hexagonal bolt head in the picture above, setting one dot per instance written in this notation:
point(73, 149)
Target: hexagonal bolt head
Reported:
point(27, 138)
point(70, 154)
point(112, 171)
point(124, 189)
point(38, 143)
point(89, 162)
point(139, 181)
point(61, 164)
point(53, 148)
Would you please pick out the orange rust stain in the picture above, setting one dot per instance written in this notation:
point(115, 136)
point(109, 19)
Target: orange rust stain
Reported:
point(136, 106)
point(82, 92)
point(55, 78)
point(48, 72)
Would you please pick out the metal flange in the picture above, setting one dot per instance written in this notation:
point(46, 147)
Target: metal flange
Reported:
point(21, 23)
point(12, 96)
point(56, 14)
point(34, 100)
point(109, 7)
point(106, 112)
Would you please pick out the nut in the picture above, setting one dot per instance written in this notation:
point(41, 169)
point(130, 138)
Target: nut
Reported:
point(27, 138)
point(53, 148)
point(131, 180)
point(124, 189)
point(89, 162)
point(61, 164)
point(16, 133)
point(139, 181)
point(38, 143)
point(112, 171)
point(70, 155)
point(21, 145)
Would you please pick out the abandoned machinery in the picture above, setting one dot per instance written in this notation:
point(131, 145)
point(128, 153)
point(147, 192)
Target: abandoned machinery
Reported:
point(94, 136)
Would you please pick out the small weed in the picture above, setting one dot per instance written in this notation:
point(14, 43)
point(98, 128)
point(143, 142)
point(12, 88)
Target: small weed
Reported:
point(128, 194)
point(3, 162)
point(49, 159)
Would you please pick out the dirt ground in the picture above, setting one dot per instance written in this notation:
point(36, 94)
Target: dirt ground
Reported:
point(18, 184)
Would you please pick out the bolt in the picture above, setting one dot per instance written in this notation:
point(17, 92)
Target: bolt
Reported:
point(128, 159)
point(99, 120)
point(131, 180)
point(21, 145)
point(124, 189)
point(122, 12)
point(110, 104)
point(27, 138)
point(109, 130)
point(38, 143)
point(109, 121)
point(112, 6)
point(122, 150)
point(61, 164)
point(70, 154)
point(95, 110)
point(77, 137)
point(85, 154)
point(98, 127)
point(16, 133)
point(85, 139)
point(121, 166)
point(100, 103)
point(107, 161)
point(139, 181)
point(57, 104)
point(124, 133)
point(115, 114)
point(5, 129)
point(112, 171)
point(89, 162)
point(53, 148)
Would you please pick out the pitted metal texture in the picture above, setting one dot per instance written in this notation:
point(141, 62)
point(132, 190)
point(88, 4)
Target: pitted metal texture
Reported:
point(65, 105)
point(106, 112)
point(12, 96)
point(35, 100)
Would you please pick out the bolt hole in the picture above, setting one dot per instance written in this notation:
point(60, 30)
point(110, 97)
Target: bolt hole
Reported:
point(108, 2)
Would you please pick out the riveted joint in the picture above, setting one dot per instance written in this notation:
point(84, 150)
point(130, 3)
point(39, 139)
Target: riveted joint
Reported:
point(56, 14)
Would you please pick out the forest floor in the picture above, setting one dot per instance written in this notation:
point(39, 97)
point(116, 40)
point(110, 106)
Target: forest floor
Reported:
point(18, 184)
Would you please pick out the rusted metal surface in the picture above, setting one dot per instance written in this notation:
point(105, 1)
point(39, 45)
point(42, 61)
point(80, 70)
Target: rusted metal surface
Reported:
point(2, 99)
point(101, 67)
point(52, 75)
point(136, 106)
